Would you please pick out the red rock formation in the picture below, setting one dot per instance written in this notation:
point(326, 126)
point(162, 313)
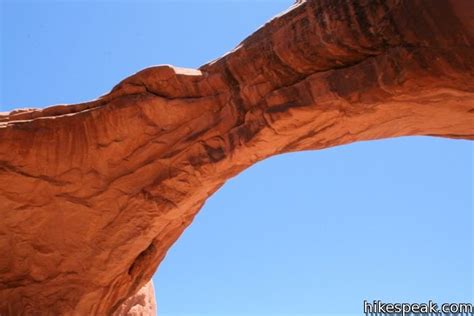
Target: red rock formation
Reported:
point(93, 195)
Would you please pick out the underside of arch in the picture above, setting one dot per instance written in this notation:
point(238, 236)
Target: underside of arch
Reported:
point(92, 195)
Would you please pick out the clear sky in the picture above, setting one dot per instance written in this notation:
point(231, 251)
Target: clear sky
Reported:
point(312, 233)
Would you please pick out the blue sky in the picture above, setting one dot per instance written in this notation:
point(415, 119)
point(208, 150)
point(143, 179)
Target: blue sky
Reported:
point(311, 233)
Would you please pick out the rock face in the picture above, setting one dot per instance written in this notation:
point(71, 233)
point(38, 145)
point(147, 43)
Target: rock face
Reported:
point(93, 195)
point(141, 303)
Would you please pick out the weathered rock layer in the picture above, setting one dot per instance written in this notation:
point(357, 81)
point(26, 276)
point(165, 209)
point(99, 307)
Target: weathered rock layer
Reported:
point(141, 303)
point(93, 195)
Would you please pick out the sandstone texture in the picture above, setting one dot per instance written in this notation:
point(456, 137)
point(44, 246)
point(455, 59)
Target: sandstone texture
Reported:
point(92, 195)
point(141, 303)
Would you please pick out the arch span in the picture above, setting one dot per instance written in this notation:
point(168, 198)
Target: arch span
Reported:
point(93, 194)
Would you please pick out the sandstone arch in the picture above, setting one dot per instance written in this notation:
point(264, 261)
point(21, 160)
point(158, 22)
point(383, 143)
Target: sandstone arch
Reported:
point(92, 195)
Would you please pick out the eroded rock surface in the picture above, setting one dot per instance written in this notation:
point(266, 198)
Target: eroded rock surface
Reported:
point(141, 303)
point(93, 195)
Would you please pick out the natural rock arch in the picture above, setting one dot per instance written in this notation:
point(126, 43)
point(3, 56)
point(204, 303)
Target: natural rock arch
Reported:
point(92, 195)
